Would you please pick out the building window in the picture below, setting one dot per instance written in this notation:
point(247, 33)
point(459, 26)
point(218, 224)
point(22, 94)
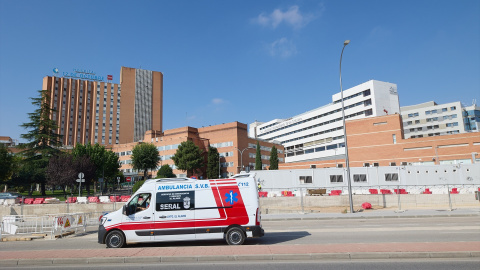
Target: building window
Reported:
point(305, 179)
point(391, 177)
point(394, 136)
point(453, 108)
point(368, 112)
point(336, 178)
point(359, 178)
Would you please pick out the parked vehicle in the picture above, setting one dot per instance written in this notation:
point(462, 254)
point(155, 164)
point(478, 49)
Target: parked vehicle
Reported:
point(181, 209)
point(11, 196)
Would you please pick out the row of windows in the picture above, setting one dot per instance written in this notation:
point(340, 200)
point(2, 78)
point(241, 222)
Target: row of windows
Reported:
point(445, 117)
point(440, 110)
point(365, 103)
point(226, 154)
point(316, 149)
point(264, 148)
point(367, 113)
point(222, 144)
point(338, 178)
point(364, 93)
point(168, 147)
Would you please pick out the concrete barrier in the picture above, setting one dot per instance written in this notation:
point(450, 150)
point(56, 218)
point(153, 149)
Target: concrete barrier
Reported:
point(407, 201)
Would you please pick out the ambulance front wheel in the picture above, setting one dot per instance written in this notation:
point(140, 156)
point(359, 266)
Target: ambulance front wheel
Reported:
point(235, 236)
point(115, 239)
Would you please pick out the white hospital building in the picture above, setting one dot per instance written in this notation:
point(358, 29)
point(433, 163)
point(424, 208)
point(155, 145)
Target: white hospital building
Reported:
point(318, 134)
point(432, 119)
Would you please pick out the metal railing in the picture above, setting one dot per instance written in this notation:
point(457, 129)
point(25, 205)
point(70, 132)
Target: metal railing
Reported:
point(54, 224)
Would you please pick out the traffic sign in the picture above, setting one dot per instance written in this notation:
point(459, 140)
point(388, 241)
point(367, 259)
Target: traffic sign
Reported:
point(128, 178)
point(80, 180)
point(80, 175)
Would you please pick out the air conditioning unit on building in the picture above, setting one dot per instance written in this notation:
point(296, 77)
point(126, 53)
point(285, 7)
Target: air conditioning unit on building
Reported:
point(404, 163)
point(313, 166)
point(366, 164)
point(375, 164)
point(339, 165)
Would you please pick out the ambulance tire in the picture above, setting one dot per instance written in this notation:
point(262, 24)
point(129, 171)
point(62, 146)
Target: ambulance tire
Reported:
point(235, 236)
point(115, 239)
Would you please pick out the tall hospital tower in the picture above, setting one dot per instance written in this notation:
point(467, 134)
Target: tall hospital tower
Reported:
point(87, 109)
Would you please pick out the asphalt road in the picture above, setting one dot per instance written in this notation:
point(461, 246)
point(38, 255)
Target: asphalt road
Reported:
point(302, 232)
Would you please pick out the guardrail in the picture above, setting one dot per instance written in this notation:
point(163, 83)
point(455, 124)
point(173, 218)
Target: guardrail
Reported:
point(54, 224)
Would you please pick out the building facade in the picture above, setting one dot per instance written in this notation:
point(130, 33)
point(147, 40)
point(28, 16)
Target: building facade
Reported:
point(237, 151)
point(318, 134)
point(379, 141)
point(104, 112)
point(431, 119)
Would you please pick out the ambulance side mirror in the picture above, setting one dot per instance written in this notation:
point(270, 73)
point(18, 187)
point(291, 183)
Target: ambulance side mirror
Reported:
point(127, 211)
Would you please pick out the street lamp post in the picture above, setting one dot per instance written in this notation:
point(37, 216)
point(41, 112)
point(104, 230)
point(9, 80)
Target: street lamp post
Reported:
point(241, 156)
point(347, 163)
point(219, 167)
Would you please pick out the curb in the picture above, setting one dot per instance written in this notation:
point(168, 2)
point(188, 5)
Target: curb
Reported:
point(230, 258)
point(364, 217)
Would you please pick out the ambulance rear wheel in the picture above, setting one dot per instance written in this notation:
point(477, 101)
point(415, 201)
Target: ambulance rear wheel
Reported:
point(115, 239)
point(235, 236)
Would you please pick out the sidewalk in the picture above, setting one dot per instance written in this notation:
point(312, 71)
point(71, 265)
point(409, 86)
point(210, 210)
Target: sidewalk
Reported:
point(380, 213)
point(349, 251)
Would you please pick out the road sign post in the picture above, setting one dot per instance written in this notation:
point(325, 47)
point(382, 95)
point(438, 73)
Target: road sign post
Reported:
point(80, 180)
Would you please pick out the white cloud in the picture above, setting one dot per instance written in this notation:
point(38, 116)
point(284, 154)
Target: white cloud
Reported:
point(291, 17)
point(217, 101)
point(283, 48)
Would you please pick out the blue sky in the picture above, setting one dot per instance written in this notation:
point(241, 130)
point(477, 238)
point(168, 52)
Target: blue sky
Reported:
point(226, 61)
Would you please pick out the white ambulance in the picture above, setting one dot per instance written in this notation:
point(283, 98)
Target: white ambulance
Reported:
point(176, 209)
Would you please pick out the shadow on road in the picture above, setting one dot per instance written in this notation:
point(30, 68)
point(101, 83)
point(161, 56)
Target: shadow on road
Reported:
point(268, 239)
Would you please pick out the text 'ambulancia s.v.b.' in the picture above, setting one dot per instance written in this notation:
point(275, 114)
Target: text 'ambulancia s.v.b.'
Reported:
point(184, 209)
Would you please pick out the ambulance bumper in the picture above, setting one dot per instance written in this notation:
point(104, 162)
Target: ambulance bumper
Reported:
point(257, 231)
point(101, 234)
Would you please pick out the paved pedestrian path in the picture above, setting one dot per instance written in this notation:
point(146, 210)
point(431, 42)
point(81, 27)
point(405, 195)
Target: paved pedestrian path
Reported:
point(247, 252)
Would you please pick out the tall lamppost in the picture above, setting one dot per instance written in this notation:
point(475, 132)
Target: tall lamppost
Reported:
point(241, 156)
point(347, 163)
point(219, 167)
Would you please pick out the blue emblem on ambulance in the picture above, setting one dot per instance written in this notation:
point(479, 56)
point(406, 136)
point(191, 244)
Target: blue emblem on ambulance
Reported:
point(231, 197)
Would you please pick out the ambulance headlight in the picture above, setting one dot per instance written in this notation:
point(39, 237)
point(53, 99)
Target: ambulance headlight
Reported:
point(103, 220)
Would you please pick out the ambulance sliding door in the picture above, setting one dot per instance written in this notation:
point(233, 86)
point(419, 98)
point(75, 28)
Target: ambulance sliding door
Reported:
point(174, 214)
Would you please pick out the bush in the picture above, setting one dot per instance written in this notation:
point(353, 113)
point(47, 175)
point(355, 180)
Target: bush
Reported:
point(165, 172)
point(137, 185)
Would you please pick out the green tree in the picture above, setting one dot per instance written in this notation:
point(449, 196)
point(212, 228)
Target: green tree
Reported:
point(213, 163)
point(274, 158)
point(165, 172)
point(188, 157)
point(104, 161)
point(137, 185)
point(144, 157)
point(7, 163)
point(61, 171)
point(258, 158)
point(43, 141)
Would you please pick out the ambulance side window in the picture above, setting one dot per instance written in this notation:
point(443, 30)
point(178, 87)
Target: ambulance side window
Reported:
point(139, 203)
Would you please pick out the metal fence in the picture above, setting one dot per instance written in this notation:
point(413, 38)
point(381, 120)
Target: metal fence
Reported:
point(55, 224)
